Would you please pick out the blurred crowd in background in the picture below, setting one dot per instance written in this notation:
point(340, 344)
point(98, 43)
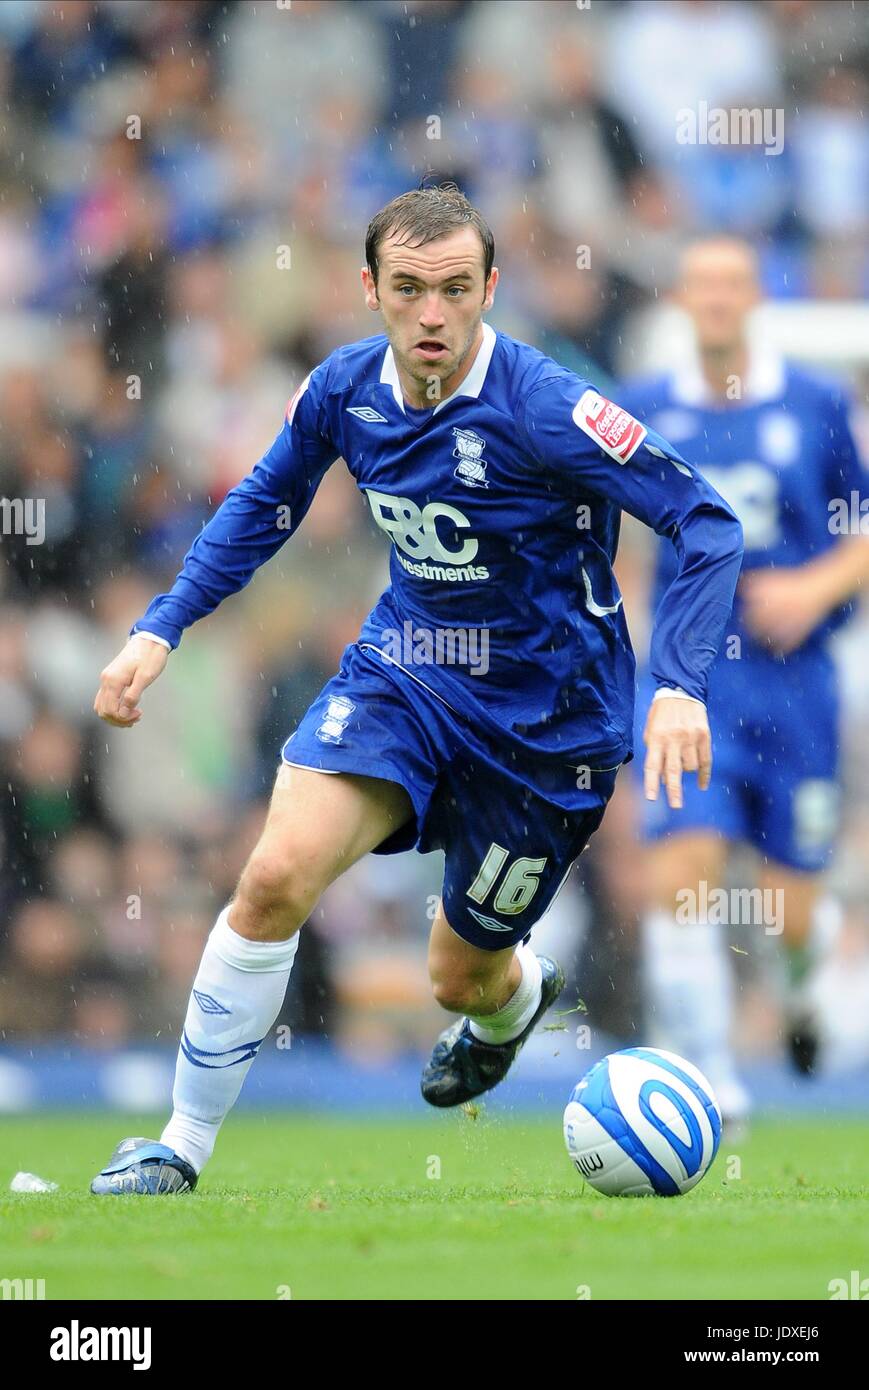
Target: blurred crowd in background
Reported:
point(184, 189)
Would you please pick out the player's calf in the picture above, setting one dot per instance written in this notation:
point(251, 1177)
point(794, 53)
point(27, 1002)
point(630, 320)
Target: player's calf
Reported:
point(502, 995)
point(687, 972)
point(477, 992)
point(475, 1053)
point(466, 979)
point(242, 978)
point(798, 892)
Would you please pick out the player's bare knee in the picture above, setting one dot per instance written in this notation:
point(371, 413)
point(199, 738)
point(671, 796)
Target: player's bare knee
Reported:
point(276, 887)
point(683, 864)
point(456, 996)
point(460, 993)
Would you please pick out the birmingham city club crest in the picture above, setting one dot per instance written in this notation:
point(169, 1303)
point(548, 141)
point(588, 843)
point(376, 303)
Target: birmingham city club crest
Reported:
point(471, 467)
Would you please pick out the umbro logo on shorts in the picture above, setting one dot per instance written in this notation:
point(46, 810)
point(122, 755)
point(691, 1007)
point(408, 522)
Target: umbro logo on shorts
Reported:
point(490, 923)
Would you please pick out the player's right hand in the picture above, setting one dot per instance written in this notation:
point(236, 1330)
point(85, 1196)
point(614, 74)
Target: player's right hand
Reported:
point(124, 679)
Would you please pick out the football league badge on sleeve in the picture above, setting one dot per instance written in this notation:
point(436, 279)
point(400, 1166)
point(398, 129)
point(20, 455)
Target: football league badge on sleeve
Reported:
point(471, 468)
point(615, 430)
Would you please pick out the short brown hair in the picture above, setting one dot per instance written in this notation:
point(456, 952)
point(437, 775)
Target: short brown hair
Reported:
point(425, 214)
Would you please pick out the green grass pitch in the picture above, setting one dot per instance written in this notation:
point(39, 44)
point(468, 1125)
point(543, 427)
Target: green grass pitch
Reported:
point(316, 1207)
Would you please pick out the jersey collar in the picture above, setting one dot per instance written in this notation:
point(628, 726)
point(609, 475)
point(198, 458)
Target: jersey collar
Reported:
point(765, 381)
point(471, 386)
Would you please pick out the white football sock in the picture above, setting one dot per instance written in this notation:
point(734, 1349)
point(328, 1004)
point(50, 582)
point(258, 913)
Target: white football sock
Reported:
point(507, 1023)
point(689, 992)
point(236, 997)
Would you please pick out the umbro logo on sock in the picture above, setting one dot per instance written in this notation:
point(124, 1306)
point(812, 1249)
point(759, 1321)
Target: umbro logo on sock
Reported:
point(209, 1005)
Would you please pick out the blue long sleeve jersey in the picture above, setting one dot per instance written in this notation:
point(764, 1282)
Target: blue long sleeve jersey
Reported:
point(503, 507)
point(783, 456)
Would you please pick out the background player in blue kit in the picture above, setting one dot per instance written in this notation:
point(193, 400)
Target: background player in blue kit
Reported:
point(499, 478)
point(774, 441)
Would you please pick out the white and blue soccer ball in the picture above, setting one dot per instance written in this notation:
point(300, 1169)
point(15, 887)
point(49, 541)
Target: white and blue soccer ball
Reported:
point(642, 1123)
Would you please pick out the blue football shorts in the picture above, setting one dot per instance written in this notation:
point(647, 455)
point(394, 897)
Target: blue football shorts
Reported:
point(508, 848)
point(775, 761)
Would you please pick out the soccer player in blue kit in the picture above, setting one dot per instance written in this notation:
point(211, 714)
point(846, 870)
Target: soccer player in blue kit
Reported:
point(499, 478)
point(775, 442)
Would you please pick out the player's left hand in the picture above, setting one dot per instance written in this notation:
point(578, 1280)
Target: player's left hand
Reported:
point(677, 740)
point(781, 606)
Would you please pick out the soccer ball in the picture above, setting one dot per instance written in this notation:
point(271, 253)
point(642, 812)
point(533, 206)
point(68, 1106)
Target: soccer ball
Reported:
point(642, 1122)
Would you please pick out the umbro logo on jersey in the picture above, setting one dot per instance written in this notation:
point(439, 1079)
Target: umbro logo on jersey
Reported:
point(365, 412)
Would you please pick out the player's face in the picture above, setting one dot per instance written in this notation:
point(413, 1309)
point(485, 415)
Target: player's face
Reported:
point(432, 299)
point(719, 290)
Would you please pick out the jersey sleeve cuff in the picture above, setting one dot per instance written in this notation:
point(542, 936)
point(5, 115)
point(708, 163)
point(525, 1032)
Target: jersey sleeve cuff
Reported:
point(153, 636)
point(675, 692)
